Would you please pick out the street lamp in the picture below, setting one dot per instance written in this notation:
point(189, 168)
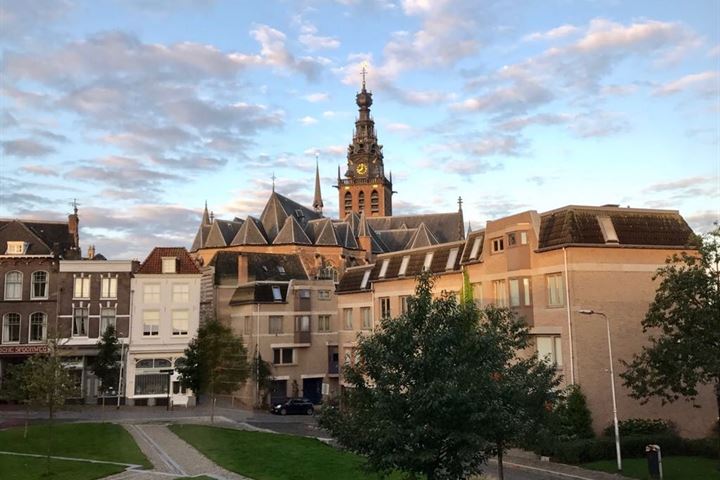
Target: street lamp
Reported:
point(612, 385)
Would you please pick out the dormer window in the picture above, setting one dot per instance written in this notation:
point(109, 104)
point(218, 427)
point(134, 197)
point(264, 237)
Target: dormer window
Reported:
point(383, 268)
point(277, 294)
point(475, 248)
point(608, 229)
point(366, 277)
point(299, 214)
point(404, 265)
point(428, 261)
point(169, 264)
point(281, 269)
point(451, 259)
point(16, 248)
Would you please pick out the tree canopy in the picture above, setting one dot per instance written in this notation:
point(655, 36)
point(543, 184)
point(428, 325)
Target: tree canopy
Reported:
point(684, 323)
point(105, 365)
point(432, 392)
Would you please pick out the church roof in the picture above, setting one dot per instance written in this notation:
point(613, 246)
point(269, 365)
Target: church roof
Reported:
point(250, 233)
point(262, 267)
point(446, 227)
point(200, 237)
point(421, 238)
point(222, 233)
point(324, 232)
point(396, 239)
point(277, 209)
point(292, 232)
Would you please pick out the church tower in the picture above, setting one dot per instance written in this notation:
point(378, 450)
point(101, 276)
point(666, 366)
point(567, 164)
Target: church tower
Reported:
point(365, 188)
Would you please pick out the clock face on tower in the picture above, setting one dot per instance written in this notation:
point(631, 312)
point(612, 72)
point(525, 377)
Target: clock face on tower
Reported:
point(361, 169)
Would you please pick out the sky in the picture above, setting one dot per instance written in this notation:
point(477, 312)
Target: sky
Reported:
point(143, 110)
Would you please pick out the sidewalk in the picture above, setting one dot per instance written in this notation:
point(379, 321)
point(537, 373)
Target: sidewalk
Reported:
point(552, 470)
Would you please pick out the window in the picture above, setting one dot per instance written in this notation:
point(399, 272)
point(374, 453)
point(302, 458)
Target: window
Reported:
point(404, 265)
point(498, 245)
point(383, 268)
point(16, 248)
point(280, 269)
point(514, 292)
point(151, 293)
point(385, 307)
point(151, 323)
point(361, 201)
point(608, 229)
point(428, 261)
point(555, 294)
point(282, 356)
point(180, 293)
point(304, 293)
point(13, 286)
point(108, 287)
point(276, 324)
point(151, 384)
point(302, 323)
point(277, 294)
point(38, 327)
point(347, 316)
point(512, 239)
point(248, 324)
point(477, 293)
point(323, 294)
point(80, 322)
point(11, 328)
point(366, 277)
point(82, 287)
point(107, 318)
point(169, 264)
point(180, 322)
point(365, 316)
point(404, 306)
point(549, 347)
point(374, 202)
point(526, 292)
point(475, 248)
point(39, 285)
point(323, 323)
point(500, 293)
point(348, 202)
point(451, 259)
point(523, 238)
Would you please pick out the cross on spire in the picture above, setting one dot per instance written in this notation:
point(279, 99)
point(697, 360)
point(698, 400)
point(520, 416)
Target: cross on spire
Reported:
point(460, 202)
point(75, 205)
point(363, 72)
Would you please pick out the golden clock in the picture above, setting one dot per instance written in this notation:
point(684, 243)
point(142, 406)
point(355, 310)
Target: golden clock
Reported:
point(361, 169)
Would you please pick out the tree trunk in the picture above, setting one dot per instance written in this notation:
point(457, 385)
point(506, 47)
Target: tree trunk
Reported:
point(501, 472)
point(717, 423)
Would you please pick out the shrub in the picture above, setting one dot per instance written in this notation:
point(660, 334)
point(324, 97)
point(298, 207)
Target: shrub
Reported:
point(641, 426)
point(701, 447)
point(603, 448)
point(574, 415)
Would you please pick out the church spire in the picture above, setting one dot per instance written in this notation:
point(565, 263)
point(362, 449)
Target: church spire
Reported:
point(205, 216)
point(317, 202)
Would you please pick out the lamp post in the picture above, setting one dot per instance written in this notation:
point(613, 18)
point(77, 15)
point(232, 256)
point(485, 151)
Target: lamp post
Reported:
point(612, 385)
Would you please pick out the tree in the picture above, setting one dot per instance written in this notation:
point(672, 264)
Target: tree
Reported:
point(573, 417)
point(425, 388)
point(216, 362)
point(14, 388)
point(106, 365)
point(684, 321)
point(261, 373)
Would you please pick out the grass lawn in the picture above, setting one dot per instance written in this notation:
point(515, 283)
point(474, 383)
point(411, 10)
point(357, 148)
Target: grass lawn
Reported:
point(270, 456)
point(30, 468)
point(674, 468)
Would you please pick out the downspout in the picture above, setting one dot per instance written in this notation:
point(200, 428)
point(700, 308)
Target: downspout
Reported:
point(569, 319)
point(257, 353)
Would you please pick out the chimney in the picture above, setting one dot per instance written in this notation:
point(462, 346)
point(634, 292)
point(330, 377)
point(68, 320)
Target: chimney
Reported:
point(243, 276)
point(91, 252)
point(74, 228)
point(366, 244)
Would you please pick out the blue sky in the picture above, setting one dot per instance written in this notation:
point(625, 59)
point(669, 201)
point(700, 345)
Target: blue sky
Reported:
point(144, 109)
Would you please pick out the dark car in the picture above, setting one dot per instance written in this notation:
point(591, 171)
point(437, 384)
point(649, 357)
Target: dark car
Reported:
point(300, 406)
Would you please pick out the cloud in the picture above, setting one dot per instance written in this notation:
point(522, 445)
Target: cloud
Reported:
point(328, 151)
point(544, 119)
point(308, 120)
point(309, 38)
point(686, 186)
point(26, 147)
point(317, 97)
point(39, 170)
point(273, 52)
point(21, 19)
point(553, 34)
point(398, 127)
point(704, 84)
point(485, 145)
point(122, 172)
point(703, 221)
point(522, 96)
point(598, 124)
point(497, 206)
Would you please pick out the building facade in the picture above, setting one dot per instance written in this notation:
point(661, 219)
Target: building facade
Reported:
point(165, 317)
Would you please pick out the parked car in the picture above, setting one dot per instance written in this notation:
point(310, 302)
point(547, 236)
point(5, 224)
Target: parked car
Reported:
point(300, 406)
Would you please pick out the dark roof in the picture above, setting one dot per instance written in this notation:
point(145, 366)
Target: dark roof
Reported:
point(396, 239)
point(278, 208)
point(469, 245)
point(447, 227)
point(352, 279)
point(261, 266)
point(250, 233)
point(222, 233)
point(200, 237)
point(324, 232)
point(421, 238)
point(634, 227)
point(153, 263)
point(292, 232)
point(42, 237)
point(258, 293)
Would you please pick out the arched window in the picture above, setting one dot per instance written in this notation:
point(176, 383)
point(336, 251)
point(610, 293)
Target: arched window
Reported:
point(361, 201)
point(374, 202)
point(39, 285)
point(38, 327)
point(13, 286)
point(11, 328)
point(348, 201)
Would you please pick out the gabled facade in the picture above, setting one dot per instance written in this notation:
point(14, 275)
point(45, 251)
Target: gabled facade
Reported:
point(165, 317)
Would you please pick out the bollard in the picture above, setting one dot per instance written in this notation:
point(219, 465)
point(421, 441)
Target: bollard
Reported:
point(654, 459)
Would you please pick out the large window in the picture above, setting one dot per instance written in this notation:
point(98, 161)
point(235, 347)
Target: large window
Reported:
point(520, 292)
point(514, 292)
point(180, 322)
point(151, 293)
point(38, 327)
point(549, 348)
point(13, 286)
point(348, 320)
point(80, 322)
point(302, 323)
point(39, 285)
point(151, 323)
point(151, 383)
point(11, 328)
point(108, 287)
point(323, 323)
point(180, 293)
point(404, 306)
point(365, 316)
point(169, 264)
point(498, 245)
point(282, 356)
point(385, 307)
point(555, 293)
point(107, 318)
point(82, 287)
point(276, 324)
point(500, 293)
point(277, 294)
point(477, 293)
